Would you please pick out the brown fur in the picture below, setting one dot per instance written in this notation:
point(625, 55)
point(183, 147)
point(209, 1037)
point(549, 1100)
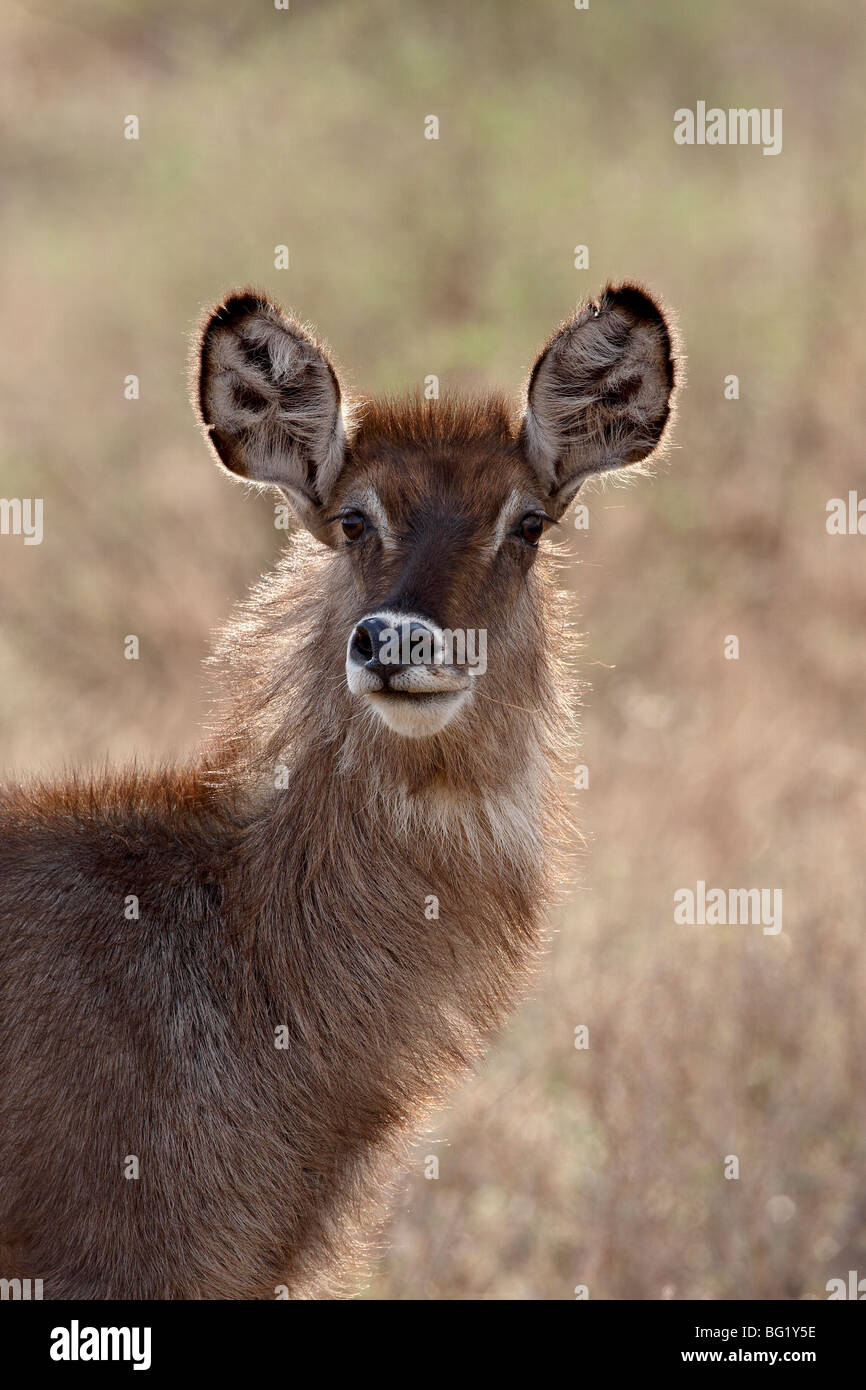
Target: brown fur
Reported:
point(301, 906)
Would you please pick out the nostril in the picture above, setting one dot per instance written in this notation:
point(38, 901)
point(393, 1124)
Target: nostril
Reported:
point(362, 643)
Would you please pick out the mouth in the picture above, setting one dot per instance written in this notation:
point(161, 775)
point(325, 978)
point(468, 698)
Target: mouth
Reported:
point(414, 697)
point(416, 713)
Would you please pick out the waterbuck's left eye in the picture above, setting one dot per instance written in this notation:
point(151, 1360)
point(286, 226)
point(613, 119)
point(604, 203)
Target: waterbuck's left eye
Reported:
point(353, 525)
point(531, 528)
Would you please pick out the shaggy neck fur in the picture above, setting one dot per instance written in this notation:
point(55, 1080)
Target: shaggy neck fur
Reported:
point(385, 995)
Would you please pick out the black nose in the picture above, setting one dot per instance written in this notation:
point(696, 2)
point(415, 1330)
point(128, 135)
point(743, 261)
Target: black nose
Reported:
point(388, 645)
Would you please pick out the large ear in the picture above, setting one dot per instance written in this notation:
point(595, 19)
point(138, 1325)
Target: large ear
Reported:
point(600, 394)
point(270, 402)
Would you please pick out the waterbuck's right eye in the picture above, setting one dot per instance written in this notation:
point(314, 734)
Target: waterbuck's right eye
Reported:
point(531, 528)
point(353, 524)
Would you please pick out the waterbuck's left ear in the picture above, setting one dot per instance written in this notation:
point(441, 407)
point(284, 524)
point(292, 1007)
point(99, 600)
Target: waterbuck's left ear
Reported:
point(600, 394)
point(269, 401)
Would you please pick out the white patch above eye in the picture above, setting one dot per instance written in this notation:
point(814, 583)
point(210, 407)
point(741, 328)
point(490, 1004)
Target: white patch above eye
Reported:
point(516, 505)
point(507, 512)
point(370, 504)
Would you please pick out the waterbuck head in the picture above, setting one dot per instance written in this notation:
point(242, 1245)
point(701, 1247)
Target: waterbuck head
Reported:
point(433, 513)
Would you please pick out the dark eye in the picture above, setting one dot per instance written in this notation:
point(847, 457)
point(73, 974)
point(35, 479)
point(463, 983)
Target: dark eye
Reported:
point(531, 528)
point(353, 525)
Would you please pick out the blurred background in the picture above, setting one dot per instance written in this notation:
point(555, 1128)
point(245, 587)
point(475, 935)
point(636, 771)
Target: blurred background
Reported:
point(305, 128)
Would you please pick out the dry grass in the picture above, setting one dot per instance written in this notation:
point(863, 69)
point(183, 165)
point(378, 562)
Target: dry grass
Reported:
point(557, 1167)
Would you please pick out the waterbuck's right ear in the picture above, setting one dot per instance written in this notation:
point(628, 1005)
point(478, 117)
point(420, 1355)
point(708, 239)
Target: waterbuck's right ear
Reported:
point(600, 394)
point(270, 402)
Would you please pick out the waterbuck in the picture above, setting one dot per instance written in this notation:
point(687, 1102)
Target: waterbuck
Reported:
point(230, 992)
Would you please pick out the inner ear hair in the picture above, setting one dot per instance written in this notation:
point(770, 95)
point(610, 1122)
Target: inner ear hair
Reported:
point(269, 399)
point(601, 393)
